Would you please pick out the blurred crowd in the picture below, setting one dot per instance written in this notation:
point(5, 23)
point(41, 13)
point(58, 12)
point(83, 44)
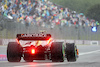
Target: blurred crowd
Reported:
point(43, 13)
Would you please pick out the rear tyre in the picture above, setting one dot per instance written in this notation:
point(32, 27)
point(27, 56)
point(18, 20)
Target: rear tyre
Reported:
point(28, 57)
point(70, 52)
point(14, 52)
point(57, 52)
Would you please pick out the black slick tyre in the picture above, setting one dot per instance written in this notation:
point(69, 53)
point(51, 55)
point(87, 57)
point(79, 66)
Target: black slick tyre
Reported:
point(14, 52)
point(57, 52)
point(27, 57)
point(70, 52)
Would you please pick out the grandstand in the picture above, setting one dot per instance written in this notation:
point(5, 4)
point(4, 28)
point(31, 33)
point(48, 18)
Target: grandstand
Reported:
point(29, 16)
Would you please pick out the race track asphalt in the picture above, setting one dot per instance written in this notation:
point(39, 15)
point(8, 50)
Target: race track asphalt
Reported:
point(89, 56)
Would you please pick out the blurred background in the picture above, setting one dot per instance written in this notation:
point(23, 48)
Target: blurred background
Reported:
point(66, 21)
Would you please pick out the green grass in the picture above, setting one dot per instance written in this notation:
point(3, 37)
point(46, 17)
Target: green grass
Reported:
point(9, 35)
point(6, 34)
point(77, 5)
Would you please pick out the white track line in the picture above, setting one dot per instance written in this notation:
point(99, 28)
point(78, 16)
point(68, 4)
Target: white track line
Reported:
point(89, 52)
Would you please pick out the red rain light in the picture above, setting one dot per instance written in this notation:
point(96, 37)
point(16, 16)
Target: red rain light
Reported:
point(33, 51)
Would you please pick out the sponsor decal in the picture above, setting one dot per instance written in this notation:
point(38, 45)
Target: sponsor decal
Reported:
point(3, 57)
point(33, 35)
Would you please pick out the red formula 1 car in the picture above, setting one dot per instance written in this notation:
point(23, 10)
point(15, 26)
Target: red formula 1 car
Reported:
point(40, 47)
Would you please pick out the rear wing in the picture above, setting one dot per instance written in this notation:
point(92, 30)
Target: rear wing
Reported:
point(33, 36)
